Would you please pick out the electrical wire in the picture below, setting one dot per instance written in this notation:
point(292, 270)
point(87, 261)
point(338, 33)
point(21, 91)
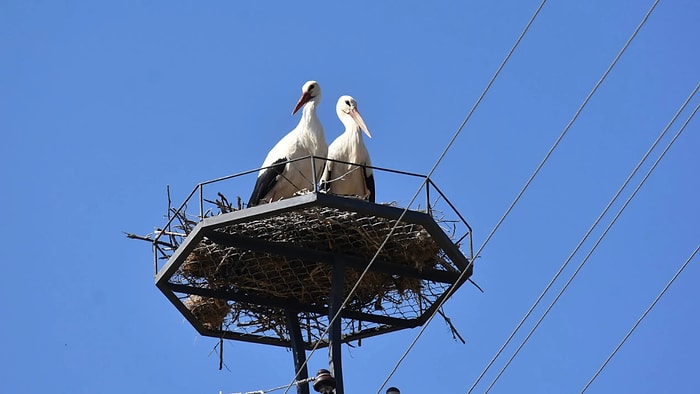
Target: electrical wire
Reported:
point(634, 327)
point(568, 126)
point(307, 380)
point(430, 173)
point(593, 248)
point(459, 129)
point(586, 235)
point(527, 184)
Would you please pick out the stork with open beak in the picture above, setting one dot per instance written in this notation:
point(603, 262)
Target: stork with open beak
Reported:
point(281, 179)
point(347, 179)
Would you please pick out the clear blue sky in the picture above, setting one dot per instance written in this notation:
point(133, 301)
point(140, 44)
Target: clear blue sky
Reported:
point(103, 104)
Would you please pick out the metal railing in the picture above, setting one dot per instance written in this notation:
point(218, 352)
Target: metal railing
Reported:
point(198, 192)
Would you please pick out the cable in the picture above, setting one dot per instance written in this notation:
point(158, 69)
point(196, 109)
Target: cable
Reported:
point(587, 234)
point(634, 327)
point(595, 245)
point(307, 380)
point(566, 129)
point(527, 184)
point(430, 173)
point(459, 129)
point(561, 136)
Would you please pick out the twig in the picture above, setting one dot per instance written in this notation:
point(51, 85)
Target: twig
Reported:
point(455, 334)
point(134, 236)
point(475, 285)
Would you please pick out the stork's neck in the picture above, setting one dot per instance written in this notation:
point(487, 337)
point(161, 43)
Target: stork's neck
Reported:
point(309, 121)
point(309, 110)
point(351, 127)
point(310, 126)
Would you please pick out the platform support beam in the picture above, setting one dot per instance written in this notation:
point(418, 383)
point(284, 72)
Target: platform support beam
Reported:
point(334, 340)
point(298, 350)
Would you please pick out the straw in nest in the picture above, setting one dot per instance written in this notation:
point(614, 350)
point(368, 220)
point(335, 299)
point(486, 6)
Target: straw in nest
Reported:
point(209, 311)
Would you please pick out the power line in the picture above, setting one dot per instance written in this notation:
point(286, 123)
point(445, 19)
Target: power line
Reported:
point(527, 184)
point(459, 129)
point(587, 234)
point(566, 129)
point(593, 248)
point(634, 327)
point(307, 380)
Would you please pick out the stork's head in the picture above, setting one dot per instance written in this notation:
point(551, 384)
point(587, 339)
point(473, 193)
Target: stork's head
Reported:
point(310, 91)
point(346, 108)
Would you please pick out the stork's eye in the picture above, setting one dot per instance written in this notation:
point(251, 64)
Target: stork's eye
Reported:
point(347, 102)
point(311, 87)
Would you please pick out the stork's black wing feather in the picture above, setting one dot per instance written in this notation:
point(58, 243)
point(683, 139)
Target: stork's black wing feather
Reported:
point(327, 177)
point(266, 181)
point(369, 180)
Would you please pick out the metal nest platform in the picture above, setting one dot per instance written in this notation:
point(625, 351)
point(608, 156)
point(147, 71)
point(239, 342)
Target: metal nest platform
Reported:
point(274, 273)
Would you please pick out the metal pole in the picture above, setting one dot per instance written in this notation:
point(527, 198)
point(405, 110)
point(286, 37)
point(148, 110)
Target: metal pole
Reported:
point(336, 300)
point(201, 202)
point(155, 257)
point(428, 208)
point(298, 350)
point(313, 175)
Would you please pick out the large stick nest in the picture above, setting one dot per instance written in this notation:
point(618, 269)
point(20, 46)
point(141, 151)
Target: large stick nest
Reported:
point(324, 229)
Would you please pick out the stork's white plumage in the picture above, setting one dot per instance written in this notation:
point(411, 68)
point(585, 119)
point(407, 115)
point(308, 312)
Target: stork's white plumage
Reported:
point(347, 179)
point(283, 178)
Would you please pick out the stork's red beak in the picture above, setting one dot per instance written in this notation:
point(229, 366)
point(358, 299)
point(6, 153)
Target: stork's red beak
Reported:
point(302, 100)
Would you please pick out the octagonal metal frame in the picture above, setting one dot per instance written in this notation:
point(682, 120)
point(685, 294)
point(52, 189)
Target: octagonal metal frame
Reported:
point(207, 229)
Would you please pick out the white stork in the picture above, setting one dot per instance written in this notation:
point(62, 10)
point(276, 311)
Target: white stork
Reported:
point(346, 179)
point(282, 179)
